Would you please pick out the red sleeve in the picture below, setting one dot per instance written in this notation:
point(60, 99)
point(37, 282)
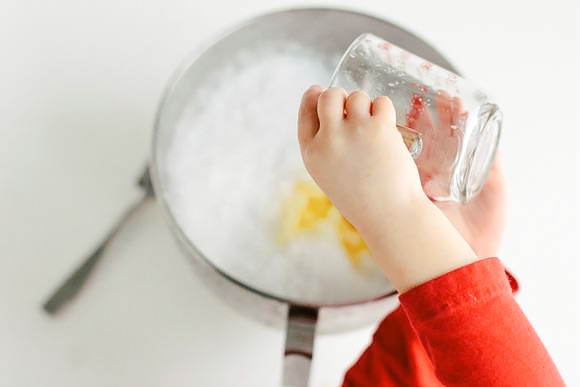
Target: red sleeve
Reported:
point(461, 329)
point(395, 358)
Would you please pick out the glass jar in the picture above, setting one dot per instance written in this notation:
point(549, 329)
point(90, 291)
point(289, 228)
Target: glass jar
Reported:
point(450, 127)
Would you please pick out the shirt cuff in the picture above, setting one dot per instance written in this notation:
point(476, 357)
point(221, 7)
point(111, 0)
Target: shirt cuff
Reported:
point(472, 284)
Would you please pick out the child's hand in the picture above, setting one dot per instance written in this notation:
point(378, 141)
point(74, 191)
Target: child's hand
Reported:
point(481, 221)
point(352, 149)
point(354, 152)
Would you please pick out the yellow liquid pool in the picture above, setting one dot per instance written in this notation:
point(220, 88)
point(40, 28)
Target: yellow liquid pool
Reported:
point(308, 210)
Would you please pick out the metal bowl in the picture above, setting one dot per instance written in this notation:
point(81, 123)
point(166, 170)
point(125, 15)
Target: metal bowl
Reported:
point(329, 31)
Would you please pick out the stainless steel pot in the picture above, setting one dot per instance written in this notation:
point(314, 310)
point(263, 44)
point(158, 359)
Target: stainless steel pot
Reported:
point(329, 31)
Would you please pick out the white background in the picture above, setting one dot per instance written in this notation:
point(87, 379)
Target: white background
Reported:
point(79, 84)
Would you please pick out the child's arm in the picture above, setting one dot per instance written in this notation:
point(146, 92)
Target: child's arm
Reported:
point(461, 308)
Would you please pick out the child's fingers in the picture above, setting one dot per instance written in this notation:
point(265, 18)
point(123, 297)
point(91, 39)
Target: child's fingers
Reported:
point(458, 115)
point(383, 108)
point(457, 109)
point(358, 105)
point(308, 123)
point(331, 105)
point(444, 108)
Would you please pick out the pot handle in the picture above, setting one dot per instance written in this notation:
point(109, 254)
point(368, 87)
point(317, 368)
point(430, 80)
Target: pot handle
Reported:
point(74, 283)
point(300, 333)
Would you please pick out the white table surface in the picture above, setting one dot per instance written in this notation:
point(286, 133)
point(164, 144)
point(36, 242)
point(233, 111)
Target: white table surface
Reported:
point(79, 84)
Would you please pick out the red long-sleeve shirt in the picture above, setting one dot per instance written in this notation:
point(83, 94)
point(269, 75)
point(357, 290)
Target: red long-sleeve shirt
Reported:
point(461, 329)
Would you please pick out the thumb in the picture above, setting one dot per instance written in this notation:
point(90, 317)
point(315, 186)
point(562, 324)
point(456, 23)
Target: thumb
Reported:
point(308, 122)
